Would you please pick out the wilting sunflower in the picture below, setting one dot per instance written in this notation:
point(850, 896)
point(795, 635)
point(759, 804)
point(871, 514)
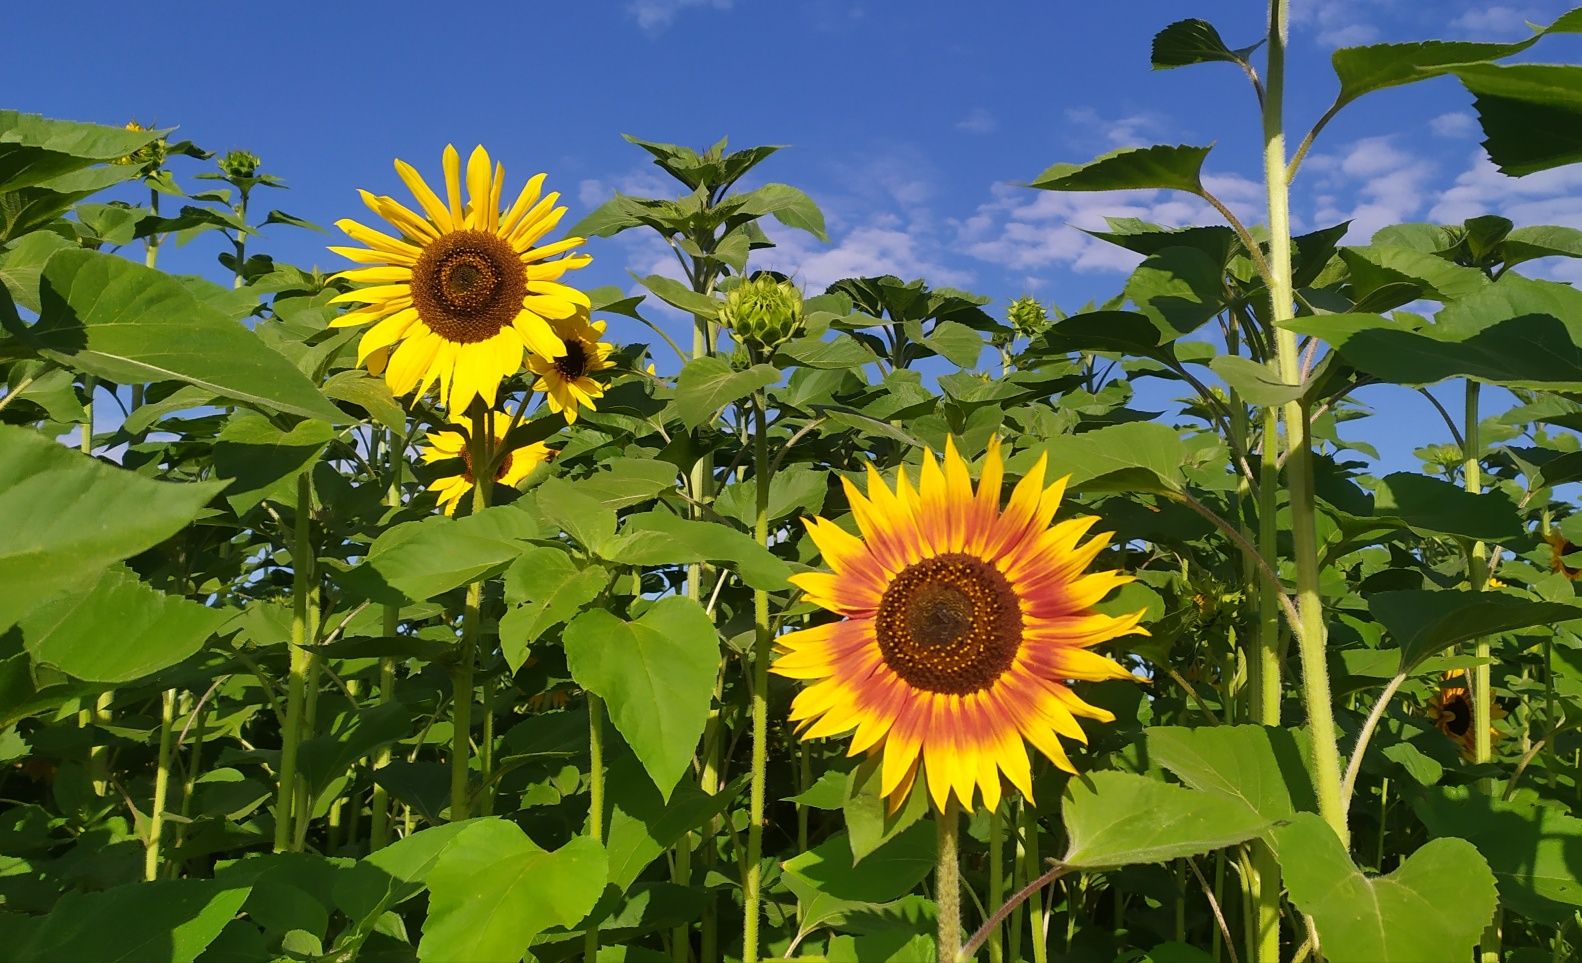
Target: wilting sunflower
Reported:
point(1451, 709)
point(510, 467)
point(567, 378)
point(1559, 549)
point(459, 290)
point(963, 625)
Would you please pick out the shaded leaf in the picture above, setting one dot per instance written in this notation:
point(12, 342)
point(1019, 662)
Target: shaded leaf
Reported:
point(1161, 166)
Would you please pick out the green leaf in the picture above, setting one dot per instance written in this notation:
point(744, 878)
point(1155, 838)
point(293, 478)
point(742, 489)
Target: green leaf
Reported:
point(261, 461)
point(589, 522)
point(109, 317)
point(1424, 622)
point(1517, 332)
point(371, 395)
point(1521, 244)
point(1125, 332)
point(1193, 42)
point(1372, 267)
point(787, 205)
point(172, 919)
point(550, 588)
point(493, 890)
point(1377, 66)
point(658, 538)
point(1179, 289)
point(678, 295)
point(22, 264)
point(390, 876)
point(1117, 819)
point(34, 149)
point(794, 490)
point(956, 343)
point(1432, 908)
point(118, 630)
point(1255, 382)
point(356, 734)
point(1530, 114)
point(1257, 766)
point(826, 882)
point(1161, 166)
point(424, 559)
point(656, 675)
point(1140, 456)
point(625, 482)
point(1530, 847)
point(67, 516)
point(810, 352)
point(708, 384)
point(1433, 506)
point(643, 824)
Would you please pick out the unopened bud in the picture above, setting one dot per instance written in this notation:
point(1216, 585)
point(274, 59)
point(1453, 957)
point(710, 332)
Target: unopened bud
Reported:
point(763, 311)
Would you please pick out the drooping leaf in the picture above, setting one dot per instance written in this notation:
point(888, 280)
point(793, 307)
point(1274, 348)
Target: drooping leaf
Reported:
point(1529, 114)
point(67, 516)
point(656, 676)
point(1432, 907)
point(1530, 848)
point(1424, 621)
point(708, 384)
point(1256, 383)
point(1117, 819)
point(643, 824)
point(678, 295)
point(659, 537)
point(119, 629)
point(118, 320)
point(493, 890)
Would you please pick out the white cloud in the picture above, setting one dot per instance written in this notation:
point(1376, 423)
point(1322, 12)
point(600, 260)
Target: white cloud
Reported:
point(1454, 124)
point(1548, 197)
point(881, 246)
point(654, 16)
point(1373, 184)
point(978, 121)
point(1337, 23)
point(1135, 130)
point(1495, 23)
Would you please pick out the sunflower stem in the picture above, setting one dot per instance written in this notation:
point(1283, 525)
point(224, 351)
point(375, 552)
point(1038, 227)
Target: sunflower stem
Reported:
point(379, 816)
point(156, 815)
point(996, 881)
point(947, 881)
point(478, 441)
point(590, 942)
point(296, 679)
point(1477, 567)
point(752, 880)
point(1035, 901)
point(1310, 640)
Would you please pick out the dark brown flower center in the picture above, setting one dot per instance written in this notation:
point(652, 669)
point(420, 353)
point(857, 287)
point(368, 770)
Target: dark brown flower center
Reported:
point(466, 465)
point(1460, 709)
point(1562, 548)
point(951, 623)
point(574, 363)
point(468, 285)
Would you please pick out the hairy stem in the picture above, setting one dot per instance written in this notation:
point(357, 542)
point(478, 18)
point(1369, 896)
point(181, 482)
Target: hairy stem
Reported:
point(595, 802)
point(296, 679)
point(947, 882)
point(156, 816)
point(752, 880)
point(479, 441)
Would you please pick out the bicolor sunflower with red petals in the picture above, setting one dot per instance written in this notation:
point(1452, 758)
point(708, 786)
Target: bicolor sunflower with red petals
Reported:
point(963, 626)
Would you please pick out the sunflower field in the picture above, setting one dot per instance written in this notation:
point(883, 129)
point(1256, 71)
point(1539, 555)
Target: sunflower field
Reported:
point(441, 608)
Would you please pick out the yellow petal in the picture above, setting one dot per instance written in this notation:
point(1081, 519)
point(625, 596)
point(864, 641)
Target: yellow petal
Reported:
point(478, 188)
point(453, 184)
point(426, 198)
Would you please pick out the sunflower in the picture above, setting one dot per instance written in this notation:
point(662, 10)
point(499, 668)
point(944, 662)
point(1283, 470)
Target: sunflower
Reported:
point(1560, 548)
point(1451, 709)
point(512, 466)
point(962, 626)
point(459, 291)
point(566, 378)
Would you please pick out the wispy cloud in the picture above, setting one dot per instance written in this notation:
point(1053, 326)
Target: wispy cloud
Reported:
point(978, 121)
point(1496, 23)
point(1454, 124)
point(655, 16)
point(1338, 23)
point(1372, 183)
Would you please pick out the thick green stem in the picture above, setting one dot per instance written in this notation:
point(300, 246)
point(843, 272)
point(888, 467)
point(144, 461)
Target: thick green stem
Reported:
point(379, 819)
point(1477, 567)
point(1310, 640)
point(156, 816)
point(461, 675)
point(752, 880)
point(595, 802)
point(151, 243)
point(1033, 869)
point(296, 679)
point(947, 882)
point(996, 881)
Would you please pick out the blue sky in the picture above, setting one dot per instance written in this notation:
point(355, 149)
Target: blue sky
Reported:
point(910, 123)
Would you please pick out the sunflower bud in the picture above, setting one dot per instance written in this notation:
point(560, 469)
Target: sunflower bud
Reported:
point(148, 158)
point(1027, 316)
point(763, 311)
point(239, 164)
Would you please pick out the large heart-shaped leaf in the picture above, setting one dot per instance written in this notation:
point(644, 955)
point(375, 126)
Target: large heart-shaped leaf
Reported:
point(1531, 848)
point(1259, 766)
point(1432, 908)
point(1117, 819)
point(656, 676)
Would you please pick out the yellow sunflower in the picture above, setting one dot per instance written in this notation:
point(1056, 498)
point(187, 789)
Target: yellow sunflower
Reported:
point(962, 626)
point(459, 291)
point(1559, 549)
point(510, 468)
point(1451, 709)
point(567, 378)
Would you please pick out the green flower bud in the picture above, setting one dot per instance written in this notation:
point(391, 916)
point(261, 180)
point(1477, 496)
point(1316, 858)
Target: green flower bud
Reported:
point(239, 164)
point(1027, 316)
point(763, 311)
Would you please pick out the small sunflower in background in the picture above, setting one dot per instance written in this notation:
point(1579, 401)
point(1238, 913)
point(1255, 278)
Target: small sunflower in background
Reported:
point(963, 625)
point(567, 378)
point(510, 466)
point(1560, 548)
point(459, 292)
point(1452, 712)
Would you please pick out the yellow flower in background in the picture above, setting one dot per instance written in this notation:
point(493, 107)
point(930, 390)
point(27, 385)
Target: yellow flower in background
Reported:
point(962, 626)
point(1560, 548)
point(510, 467)
point(458, 293)
point(567, 378)
point(1452, 712)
